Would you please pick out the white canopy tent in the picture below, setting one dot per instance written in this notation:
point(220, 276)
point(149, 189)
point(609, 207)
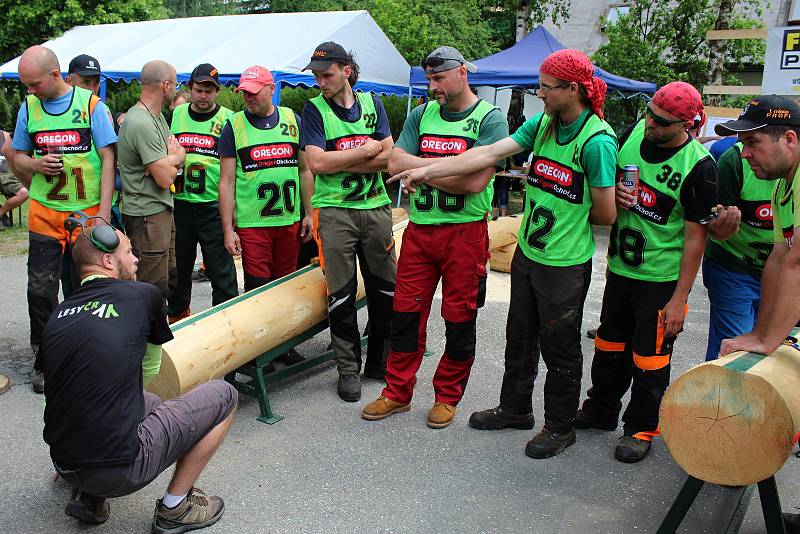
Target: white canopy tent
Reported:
point(282, 42)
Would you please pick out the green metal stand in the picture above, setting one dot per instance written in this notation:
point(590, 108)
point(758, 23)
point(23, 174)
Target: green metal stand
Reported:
point(257, 386)
point(770, 506)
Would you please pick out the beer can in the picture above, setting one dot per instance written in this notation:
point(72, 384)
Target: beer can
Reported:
point(630, 179)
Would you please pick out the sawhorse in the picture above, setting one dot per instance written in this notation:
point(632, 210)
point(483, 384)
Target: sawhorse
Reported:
point(770, 506)
point(257, 386)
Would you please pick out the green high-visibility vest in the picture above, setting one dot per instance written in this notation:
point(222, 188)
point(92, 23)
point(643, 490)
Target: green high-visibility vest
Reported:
point(753, 242)
point(555, 229)
point(69, 133)
point(200, 180)
point(647, 240)
point(441, 138)
point(348, 189)
point(267, 176)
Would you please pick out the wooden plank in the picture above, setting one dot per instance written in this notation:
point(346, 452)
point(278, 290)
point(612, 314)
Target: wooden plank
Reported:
point(735, 35)
point(729, 113)
point(731, 89)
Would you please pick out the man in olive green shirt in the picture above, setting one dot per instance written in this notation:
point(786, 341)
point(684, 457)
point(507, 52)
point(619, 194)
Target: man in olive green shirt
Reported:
point(149, 159)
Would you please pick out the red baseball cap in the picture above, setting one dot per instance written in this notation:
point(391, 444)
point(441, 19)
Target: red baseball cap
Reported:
point(254, 78)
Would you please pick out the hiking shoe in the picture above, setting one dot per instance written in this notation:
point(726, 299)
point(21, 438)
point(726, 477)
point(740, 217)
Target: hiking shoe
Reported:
point(290, 358)
point(547, 443)
point(382, 408)
point(441, 415)
point(37, 381)
point(349, 388)
point(199, 276)
point(631, 450)
point(375, 373)
point(194, 512)
point(87, 508)
point(584, 421)
point(497, 418)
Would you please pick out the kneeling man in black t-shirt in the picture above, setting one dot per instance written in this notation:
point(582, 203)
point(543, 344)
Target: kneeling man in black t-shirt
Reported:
point(107, 436)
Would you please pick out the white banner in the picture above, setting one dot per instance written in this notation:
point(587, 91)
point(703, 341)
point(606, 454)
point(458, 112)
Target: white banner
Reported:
point(782, 64)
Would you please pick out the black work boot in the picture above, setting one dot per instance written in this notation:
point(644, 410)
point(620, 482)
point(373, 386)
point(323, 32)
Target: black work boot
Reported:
point(547, 443)
point(497, 418)
point(349, 388)
point(87, 508)
point(631, 450)
point(791, 522)
point(582, 420)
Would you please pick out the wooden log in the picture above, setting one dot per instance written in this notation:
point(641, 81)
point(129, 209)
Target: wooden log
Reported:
point(734, 421)
point(223, 338)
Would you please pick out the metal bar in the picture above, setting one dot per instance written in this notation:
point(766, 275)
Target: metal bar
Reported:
point(740, 511)
point(771, 506)
point(680, 506)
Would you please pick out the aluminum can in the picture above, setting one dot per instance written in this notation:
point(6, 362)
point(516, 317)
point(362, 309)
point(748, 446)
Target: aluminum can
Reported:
point(630, 179)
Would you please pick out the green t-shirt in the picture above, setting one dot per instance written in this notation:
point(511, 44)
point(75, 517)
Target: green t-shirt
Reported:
point(142, 140)
point(786, 209)
point(747, 250)
point(556, 230)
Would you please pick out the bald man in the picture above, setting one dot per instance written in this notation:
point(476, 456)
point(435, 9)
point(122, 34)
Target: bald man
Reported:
point(64, 151)
point(149, 160)
point(107, 437)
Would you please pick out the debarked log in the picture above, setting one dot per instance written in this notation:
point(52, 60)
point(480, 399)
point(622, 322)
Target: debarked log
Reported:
point(734, 421)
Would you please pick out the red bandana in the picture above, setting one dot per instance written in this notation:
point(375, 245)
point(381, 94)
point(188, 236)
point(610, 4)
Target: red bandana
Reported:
point(682, 100)
point(575, 66)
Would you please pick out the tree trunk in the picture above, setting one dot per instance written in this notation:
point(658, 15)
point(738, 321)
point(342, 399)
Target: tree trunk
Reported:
point(718, 50)
point(521, 29)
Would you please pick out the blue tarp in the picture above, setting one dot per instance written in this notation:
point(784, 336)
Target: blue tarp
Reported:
point(518, 66)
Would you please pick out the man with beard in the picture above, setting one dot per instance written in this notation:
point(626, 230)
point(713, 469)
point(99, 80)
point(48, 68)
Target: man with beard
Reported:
point(107, 437)
point(150, 159)
point(654, 253)
point(347, 141)
point(569, 188)
point(446, 239)
point(197, 127)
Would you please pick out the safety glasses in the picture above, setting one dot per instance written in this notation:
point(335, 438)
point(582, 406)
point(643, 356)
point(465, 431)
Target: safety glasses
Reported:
point(435, 62)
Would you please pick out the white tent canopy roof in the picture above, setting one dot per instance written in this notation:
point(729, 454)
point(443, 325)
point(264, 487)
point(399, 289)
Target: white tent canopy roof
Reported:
point(282, 42)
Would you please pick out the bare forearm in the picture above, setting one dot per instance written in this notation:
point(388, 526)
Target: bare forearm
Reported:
point(463, 185)
point(769, 284)
point(307, 190)
point(25, 166)
point(785, 308)
point(690, 264)
point(322, 162)
point(226, 202)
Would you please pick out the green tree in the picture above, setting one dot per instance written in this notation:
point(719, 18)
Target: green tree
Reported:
point(661, 42)
point(199, 8)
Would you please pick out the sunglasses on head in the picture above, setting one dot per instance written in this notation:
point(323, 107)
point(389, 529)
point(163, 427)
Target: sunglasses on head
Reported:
point(435, 62)
point(661, 121)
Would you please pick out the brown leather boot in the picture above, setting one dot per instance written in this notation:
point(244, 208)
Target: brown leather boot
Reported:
point(441, 415)
point(382, 408)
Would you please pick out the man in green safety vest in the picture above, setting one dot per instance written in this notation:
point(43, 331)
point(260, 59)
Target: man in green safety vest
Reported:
point(347, 141)
point(64, 143)
point(197, 127)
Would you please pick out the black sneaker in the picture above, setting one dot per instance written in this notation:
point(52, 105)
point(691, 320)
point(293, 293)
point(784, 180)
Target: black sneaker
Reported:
point(631, 450)
point(199, 276)
point(349, 388)
point(584, 421)
point(547, 444)
point(87, 508)
point(37, 381)
point(497, 418)
point(290, 358)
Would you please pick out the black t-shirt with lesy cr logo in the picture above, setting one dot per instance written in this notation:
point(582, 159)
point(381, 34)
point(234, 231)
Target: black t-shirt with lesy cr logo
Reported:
point(91, 353)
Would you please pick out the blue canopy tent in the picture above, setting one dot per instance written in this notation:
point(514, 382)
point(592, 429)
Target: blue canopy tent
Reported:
point(518, 66)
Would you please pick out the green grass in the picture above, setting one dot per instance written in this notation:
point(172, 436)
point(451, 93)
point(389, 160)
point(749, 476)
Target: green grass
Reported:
point(14, 241)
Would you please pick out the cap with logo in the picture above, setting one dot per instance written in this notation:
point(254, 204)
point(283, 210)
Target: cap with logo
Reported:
point(327, 53)
point(446, 58)
point(84, 65)
point(254, 78)
point(764, 110)
point(205, 72)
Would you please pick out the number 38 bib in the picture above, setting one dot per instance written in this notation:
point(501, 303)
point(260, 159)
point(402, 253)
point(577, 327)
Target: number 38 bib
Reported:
point(647, 240)
point(77, 187)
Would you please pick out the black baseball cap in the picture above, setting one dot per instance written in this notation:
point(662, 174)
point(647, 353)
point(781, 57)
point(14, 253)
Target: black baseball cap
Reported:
point(446, 58)
point(764, 110)
point(84, 65)
point(205, 72)
point(327, 53)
